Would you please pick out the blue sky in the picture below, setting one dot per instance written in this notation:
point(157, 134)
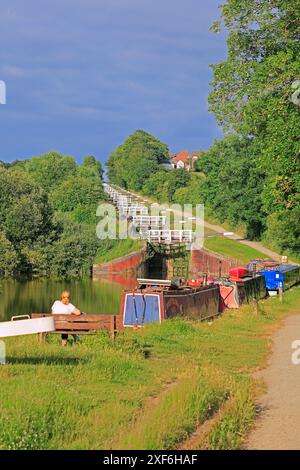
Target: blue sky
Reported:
point(82, 75)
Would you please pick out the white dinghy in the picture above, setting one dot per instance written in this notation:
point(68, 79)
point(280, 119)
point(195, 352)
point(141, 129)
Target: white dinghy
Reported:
point(26, 327)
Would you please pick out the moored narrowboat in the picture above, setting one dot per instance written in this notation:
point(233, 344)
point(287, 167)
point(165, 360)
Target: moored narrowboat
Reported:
point(157, 300)
point(281, 276)
point(234, 293)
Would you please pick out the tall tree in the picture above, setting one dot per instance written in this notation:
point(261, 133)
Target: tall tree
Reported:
point(232, 187)
point(133, 162)
point(91, 167)
point(51, 169)
point(254, 96)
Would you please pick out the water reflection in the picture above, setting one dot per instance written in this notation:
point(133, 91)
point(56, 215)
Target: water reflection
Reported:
point(20, 298)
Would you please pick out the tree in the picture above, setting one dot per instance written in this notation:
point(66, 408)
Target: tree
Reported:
point(25, 212)
point(34, 239)
point(177, 179)
point(233, 184)
point(26, 220)
point(190, 194)
point(77, 191)
point(73, 254)
point(91, 168)
point(51, 169)
point(133, 162)
point(252, 97)
point(156, 186)
point(8, 257)
point(163, 185)
point(285, 227)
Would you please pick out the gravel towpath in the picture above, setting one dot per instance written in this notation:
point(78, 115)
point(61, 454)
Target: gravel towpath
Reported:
point(278, 426)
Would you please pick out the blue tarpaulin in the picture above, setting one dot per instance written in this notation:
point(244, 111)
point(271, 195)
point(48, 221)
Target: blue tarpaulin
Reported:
point(141, 309)
point(284, 276)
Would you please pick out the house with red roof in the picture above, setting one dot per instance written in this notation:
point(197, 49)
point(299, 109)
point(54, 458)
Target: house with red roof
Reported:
point(185, 159)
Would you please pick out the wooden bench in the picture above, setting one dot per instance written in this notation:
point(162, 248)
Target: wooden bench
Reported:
point(83, 324)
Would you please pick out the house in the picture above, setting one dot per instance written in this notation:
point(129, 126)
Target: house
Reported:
point(186, 160)
point(182, 160)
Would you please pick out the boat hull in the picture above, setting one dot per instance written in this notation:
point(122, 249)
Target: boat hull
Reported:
point(151, 305)
point(26, 327)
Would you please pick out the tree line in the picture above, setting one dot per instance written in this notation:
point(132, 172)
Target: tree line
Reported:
point(48, 216)
point(250, 177)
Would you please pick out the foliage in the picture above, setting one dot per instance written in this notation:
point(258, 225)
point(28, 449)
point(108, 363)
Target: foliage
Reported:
point(254, 96)
point(51, 169)
point(233, 184)
point(133, 162)
point(155, 186)
point(190, 193)
point(48, 216)
point(72, 255)
point(25, 217)
point(91, 167)
point(15, 186)
point(78, 192)
point(8, 256)
point(284, 229)
point(28, 219)
point(164, 184)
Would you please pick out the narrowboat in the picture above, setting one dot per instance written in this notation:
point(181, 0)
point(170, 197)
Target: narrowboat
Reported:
point(236, 291)
point(156, 300)
point(280, 276)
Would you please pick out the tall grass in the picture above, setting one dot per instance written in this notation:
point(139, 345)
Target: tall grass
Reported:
point(148, 389)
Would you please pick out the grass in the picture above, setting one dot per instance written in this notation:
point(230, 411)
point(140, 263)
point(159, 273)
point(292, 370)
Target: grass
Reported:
point(116, 248)
point(149, 389)
point(238, 229)
point(241, 230)
point(233, 249)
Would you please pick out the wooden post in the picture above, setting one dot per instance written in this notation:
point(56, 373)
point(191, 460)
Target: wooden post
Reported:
point(42, 337)
point(280, 294)
point(112, 326)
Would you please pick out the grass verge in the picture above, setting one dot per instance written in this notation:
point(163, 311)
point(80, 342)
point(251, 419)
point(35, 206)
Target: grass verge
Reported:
point(112, 249)
point(149, 389)
point(233, 249)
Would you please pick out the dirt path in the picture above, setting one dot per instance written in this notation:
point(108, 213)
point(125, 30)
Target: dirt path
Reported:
point(278, 426)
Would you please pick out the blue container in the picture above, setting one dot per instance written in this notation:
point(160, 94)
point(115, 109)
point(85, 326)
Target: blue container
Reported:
point(284, 275)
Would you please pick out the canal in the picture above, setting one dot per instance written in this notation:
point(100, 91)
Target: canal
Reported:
point(24, 298)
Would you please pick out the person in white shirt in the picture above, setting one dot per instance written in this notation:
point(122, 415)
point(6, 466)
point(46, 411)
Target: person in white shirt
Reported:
point(64, 307)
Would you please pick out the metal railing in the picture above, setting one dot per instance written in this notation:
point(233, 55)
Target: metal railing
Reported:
point(149, 220)
point(170, 236)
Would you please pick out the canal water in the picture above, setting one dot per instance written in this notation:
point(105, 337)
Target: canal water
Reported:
point(24, 298)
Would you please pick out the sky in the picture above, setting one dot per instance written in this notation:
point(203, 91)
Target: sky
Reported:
point(82, 75)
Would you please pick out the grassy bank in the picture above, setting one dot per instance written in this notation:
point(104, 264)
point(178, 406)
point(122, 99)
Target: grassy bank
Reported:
point(112, 249)
point(241, 231)
point(234, 249)
point(148, 390)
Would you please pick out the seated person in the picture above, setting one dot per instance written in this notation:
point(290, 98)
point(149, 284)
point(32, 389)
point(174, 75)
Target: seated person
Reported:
point(64, 307)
